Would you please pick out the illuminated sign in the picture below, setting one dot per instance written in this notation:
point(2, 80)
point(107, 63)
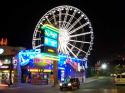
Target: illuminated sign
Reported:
point(50, 50)
point(47, 26)
point(62, 75)
point(26, 56)
point(50, 42)
point(51, 34)
point(50, 31)
point(49, 39)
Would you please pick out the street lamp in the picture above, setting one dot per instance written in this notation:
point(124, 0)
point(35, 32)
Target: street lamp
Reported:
point(104, 69)
point(104, 66)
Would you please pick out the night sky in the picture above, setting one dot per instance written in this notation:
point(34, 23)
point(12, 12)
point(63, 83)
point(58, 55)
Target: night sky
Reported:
point(107, 18)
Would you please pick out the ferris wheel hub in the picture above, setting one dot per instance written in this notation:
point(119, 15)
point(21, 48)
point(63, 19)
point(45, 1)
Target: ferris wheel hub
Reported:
point(64, 36)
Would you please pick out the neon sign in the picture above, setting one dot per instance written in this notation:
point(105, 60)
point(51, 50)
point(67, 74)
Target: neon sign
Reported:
point(50, 31)
point(26, 56)
point(51, 34)
point(50, 42)
point(49, 39)
point(47, 26)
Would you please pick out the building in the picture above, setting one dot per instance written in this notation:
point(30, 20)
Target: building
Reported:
point(8, 63)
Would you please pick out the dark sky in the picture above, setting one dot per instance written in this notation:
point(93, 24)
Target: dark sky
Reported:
point(107, 18)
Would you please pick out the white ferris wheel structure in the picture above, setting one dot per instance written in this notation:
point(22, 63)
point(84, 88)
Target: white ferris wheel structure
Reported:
point(75, 31)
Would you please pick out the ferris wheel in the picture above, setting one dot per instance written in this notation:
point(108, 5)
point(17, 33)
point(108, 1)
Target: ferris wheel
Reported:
point(75, 31)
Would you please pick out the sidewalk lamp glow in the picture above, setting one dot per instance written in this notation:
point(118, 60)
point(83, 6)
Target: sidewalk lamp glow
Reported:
point(104, 66)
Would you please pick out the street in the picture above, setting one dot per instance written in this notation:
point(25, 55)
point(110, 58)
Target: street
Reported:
point(101, 85)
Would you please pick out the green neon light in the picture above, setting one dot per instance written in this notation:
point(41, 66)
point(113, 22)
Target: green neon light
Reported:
point(43, 55)
point(50, 55)
point(47, 26)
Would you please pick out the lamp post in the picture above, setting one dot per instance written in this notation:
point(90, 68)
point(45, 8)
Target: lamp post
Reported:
point(97, 68)
point(103, 67)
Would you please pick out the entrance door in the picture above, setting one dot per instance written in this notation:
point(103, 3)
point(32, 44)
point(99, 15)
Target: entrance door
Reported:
point(4, 77)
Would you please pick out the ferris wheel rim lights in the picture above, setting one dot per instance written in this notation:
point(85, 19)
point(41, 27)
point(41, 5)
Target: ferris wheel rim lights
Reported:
point(61, 18)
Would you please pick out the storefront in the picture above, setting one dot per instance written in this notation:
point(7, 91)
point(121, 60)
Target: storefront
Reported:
point(36, 67)
point(8, 64)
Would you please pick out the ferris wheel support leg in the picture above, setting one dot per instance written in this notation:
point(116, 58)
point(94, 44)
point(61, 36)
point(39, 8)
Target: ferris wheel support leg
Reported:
point(55, 73)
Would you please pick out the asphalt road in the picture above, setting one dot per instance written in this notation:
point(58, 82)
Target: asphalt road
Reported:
point(102, 85)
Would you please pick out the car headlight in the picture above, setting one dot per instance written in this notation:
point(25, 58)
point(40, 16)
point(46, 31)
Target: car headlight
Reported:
point(69, 84)
point(60, 84)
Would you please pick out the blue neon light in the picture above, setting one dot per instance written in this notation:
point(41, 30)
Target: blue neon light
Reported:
point(50, 42)
point(26, 56)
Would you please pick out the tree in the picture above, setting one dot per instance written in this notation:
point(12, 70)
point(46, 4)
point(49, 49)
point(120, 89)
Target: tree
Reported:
point(118, 69)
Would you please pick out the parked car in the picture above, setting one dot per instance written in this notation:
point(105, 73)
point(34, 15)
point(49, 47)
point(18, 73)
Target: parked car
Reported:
point(70, 83)
point(119, 79)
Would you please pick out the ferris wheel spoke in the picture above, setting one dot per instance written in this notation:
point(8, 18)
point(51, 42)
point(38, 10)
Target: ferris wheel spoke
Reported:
point(65, 18)
point(82, 34)
point(60, 17)
point(72, 47)
point(63, 48)
point(36, 38)
point(71, 18)
point(59, 47)
point(74, 30)
point(75, 22)
point(77, 48)
point(66, 51)
point(71, 52)
point(48, 20)
point(79, 41)
point(38, 46)
point(54, 18)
